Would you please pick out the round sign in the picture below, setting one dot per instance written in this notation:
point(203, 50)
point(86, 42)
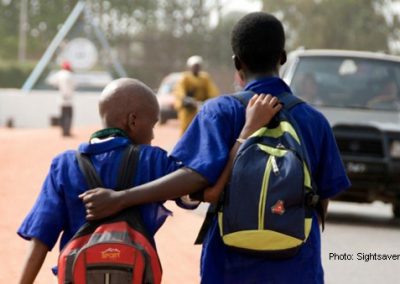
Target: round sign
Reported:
point(81, 53)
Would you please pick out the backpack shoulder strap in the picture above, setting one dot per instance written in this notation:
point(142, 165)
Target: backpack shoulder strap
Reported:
point(289, 100)
point(85, 165)
point(244, 97)
point(127, 169)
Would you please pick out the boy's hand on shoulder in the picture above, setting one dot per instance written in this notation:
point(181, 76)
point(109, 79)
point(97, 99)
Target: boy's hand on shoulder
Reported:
point(101, 203)
point(259, 112)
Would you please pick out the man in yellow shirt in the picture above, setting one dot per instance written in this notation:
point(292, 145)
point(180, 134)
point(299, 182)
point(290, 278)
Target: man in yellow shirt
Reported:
point(194, 88)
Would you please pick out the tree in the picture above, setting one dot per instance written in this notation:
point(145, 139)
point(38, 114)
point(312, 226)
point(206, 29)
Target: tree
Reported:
point(150, 37)
point(339, 24)
point(9, 11)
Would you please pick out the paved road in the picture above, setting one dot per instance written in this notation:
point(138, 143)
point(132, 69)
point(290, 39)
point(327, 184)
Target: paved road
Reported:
point(358, 232)
point(355, 231)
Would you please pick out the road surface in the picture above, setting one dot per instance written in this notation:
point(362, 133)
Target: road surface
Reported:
point(352, 231)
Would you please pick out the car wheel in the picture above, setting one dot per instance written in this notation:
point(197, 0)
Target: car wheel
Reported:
point(163, 119)
point(396, 209)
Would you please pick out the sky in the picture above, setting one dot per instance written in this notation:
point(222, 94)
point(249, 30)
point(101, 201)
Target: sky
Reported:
point(235, 5)
point(241, 5)
point(254, 5)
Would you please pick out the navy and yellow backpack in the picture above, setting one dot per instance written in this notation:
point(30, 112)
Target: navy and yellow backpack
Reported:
point(268, 203)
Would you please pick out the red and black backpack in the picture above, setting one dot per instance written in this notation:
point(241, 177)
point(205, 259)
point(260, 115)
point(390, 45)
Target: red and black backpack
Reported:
point(114, 250)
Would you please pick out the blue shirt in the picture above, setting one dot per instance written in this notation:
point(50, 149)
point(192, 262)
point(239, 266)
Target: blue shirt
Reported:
point(59, 210)
point(205, 147)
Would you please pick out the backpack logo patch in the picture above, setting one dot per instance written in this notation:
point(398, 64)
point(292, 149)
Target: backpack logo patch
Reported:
point(278, 208)
point(110, 253)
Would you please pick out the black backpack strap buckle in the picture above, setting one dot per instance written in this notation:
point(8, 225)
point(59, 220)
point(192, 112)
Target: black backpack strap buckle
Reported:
point(312, 199)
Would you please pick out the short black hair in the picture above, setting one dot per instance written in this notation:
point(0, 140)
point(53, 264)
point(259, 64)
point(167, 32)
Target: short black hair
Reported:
point(258, 40)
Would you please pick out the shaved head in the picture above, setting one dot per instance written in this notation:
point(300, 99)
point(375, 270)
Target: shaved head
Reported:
point(122, 96)
point(125, 103)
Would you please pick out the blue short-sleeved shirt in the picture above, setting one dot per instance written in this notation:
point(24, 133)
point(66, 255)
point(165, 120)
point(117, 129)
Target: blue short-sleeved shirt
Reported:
point(205, 147)
point(59, 210)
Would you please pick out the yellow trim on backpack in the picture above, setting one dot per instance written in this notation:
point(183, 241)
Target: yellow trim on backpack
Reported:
point(273, 151)
point(220, 223)
point(307, 177)
point(265, 240)
point(263, 194)
point(283, 127)
point(307, 226)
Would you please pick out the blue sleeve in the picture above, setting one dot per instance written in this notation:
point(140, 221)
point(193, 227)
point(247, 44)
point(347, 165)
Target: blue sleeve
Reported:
point(154, 163)
point(330, 175)
point(46, 219)
point(159, 164)
point(205, 145)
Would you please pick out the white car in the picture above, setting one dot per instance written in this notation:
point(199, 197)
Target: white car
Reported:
point(166, 98)
point(359, 93)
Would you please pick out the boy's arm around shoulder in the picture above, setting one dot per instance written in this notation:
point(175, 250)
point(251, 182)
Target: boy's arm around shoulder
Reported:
point(102, 202)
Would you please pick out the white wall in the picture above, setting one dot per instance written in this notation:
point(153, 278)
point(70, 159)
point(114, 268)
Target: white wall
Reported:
point(35, 109)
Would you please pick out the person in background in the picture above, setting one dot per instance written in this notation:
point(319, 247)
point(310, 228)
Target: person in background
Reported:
point(388, 96)
point(308, 89)
point(194, 88)
point(64, 81)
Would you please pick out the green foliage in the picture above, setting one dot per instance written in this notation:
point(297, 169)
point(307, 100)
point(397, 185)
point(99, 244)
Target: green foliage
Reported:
point(13, 75)
point(155, 37)
point(339, 24)
point(9, 31)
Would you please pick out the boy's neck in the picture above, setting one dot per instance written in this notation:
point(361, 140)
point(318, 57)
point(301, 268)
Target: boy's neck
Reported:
point(251, 76)
point(109, 132)
point(256, 76)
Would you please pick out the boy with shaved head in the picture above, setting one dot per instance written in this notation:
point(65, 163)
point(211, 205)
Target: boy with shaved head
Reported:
point(129, 111)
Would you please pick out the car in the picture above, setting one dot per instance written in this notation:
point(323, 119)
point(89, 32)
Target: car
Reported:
point(166, 98)
point(358, 92)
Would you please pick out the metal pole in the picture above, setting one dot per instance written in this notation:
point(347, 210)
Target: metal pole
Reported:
point(104, 43)
point(66, 27)
point(23, 26)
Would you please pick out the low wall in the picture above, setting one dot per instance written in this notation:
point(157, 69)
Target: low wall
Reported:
point(36, 108)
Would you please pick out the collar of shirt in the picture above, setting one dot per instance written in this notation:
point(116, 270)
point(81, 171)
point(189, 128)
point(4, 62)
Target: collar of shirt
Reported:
point(104, 145)
point(273, 85)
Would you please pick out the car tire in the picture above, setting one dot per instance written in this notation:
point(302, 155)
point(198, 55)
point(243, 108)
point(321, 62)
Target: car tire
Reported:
point(396, 209)
point(163, 120)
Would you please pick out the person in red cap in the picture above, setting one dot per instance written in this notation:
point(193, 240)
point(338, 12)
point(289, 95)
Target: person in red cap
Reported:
point(64, 81)
point(66, 66)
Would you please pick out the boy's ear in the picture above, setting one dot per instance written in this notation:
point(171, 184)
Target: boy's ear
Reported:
point(236, 61)
point(283, 57)
point(131, 120)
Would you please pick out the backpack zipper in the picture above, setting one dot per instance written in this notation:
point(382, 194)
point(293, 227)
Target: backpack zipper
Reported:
point(275, 167)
